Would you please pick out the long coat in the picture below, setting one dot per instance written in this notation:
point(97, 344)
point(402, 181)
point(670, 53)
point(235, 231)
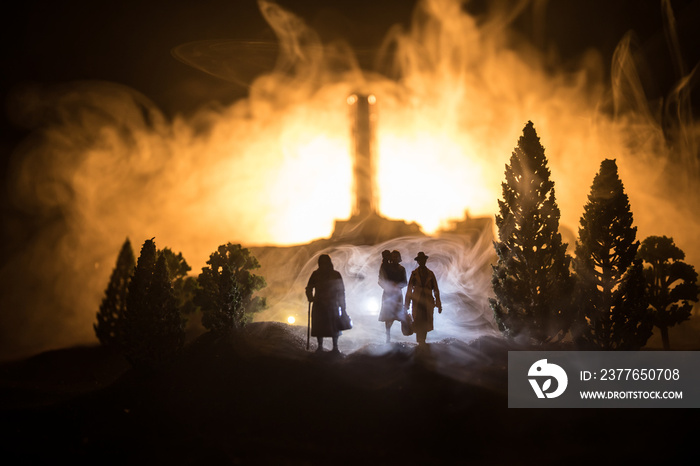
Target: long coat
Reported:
point(327, 293)
point(392, 278)
point(424, 294)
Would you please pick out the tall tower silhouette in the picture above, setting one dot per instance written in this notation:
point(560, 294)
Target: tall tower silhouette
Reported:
point(366, 225)
point(363, 118)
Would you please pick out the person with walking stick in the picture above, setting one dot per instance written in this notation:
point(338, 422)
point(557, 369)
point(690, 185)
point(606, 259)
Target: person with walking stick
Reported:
point(326, 293)
point(424, 295)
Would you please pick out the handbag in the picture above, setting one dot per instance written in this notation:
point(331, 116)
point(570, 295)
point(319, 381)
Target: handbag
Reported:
point(407, 324)
point(344, 321)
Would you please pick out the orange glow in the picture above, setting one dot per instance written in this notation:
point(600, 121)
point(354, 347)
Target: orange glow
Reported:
point(451, 100)
point(428, 178)
point(276, 168)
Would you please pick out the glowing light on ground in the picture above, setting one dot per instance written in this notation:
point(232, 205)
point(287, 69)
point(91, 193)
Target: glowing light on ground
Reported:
point(372, 306)
point(291, 320)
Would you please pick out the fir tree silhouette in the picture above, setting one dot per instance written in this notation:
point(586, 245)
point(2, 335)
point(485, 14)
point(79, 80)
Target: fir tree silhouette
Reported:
point(531, 280)
point(226, 288)
point(671, 283)
point(109, 328)
point(154, 328)
point(184, 286)
point(167, 322)
point(610, 301)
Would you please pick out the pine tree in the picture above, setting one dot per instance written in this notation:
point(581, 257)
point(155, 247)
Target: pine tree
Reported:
point(184, 286)
point(167, 322)
point(109, 328)
point(671, 284)
point(226, 288)
point(223, 305)
point(531, 281)
point(610, 300)
point(155, 329)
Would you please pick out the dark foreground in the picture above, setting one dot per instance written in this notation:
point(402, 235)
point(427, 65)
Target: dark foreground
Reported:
point(269, 401)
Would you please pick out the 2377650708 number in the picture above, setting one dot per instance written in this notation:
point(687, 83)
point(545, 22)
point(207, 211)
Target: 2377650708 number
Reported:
point(639, 374)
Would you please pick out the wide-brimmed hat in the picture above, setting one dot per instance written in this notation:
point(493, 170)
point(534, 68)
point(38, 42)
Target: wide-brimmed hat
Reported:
point(396, 255)
point(421, 256)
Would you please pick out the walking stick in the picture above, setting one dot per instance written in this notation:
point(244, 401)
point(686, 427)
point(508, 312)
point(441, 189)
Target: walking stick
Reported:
point(308, 327)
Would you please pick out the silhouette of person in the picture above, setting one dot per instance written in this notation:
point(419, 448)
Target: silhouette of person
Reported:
point(327, 293)
point(392, 278)
point(386, 260)
point(424, 295)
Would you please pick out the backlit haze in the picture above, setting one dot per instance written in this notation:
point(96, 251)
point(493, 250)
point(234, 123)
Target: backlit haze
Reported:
point(453, 93)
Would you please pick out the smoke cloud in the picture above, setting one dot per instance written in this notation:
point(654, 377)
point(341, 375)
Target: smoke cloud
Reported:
point(462, 265)
point(453, 94)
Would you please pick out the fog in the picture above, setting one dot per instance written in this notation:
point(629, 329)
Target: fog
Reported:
point(461, 263)
point(453, 94)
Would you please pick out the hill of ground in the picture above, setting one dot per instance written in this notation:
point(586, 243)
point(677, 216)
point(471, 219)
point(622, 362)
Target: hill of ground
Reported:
point(263, 399)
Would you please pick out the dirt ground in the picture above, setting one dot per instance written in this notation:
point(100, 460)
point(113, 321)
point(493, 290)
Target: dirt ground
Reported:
point(265, 400)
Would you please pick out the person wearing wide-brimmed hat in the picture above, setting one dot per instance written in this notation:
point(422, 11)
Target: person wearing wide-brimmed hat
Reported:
point(424, 296)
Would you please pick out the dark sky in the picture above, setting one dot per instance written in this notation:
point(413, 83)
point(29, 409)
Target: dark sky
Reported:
point(129, 42)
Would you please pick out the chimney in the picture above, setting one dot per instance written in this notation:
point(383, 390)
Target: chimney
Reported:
point(362, 115)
